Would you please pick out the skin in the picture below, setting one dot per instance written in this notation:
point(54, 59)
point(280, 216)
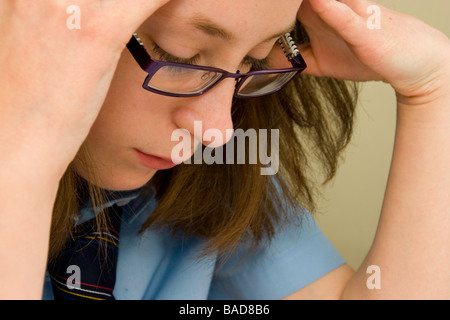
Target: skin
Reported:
point(411, 244)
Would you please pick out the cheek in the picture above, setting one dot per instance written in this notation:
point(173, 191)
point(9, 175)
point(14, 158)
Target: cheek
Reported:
point(129, 113)
point(130, 118)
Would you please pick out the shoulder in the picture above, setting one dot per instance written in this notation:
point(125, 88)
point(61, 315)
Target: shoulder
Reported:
point(297, 256)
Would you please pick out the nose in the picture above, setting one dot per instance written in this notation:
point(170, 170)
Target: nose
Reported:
point(208, 117)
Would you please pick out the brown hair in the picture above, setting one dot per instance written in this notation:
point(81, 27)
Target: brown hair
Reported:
point(228, 204)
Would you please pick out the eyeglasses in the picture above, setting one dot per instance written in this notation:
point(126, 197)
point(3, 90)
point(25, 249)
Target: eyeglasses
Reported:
point(186, 80)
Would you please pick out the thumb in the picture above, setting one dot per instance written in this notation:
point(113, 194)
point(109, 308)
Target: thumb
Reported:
point(137, 11)
point(114, 21)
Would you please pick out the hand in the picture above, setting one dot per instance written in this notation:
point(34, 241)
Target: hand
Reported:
point(53, 79)
point(404, 51)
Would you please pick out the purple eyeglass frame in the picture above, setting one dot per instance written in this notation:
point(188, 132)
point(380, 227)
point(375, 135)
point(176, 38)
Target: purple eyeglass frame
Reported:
point(140, 54)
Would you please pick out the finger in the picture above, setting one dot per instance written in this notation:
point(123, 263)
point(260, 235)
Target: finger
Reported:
point(123, 17)
point(358, 6)
point(334, 67)
point(341, 17)
point(144, 8)
point(138, 11)
point(312, 68)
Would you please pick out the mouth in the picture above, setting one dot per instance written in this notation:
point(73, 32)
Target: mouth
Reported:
point(153, 161)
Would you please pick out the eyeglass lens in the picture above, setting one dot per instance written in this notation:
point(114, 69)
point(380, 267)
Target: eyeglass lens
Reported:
point(182, 80)
point(262, 84)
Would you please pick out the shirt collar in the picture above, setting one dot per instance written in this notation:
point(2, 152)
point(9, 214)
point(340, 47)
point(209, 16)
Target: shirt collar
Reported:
point(136, 199)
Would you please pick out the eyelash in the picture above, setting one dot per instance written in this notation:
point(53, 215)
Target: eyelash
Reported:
point(164, 56)
point(255, 64)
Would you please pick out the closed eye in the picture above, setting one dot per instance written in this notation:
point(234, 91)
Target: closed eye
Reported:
point(167, 57)
point(247, 62)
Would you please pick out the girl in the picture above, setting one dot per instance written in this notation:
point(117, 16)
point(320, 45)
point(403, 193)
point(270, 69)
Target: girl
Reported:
point(82, 141)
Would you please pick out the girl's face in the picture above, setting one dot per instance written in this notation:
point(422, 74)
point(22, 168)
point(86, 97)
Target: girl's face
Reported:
point(133, 121)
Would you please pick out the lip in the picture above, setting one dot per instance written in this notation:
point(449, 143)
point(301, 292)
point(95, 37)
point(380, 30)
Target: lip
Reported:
point(154, 162)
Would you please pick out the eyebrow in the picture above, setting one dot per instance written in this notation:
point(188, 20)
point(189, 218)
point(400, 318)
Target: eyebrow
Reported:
point(204, 24)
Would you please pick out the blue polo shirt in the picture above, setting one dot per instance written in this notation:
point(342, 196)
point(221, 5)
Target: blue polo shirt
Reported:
point(158, 265)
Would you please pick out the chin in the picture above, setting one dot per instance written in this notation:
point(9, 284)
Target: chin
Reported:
point(125, 186)
point(119, 181)
point(125, 183)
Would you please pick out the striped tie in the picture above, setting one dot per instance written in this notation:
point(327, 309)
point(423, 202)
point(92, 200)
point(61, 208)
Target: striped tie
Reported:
point(86, 270)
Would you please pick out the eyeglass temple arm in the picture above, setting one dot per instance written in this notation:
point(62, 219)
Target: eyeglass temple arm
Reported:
point(291, 51)
point(136, 48)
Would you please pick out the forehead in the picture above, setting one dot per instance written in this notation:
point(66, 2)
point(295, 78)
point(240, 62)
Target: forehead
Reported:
point(230, 20)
